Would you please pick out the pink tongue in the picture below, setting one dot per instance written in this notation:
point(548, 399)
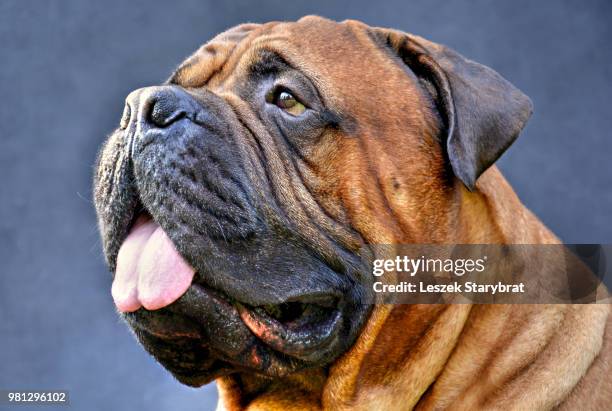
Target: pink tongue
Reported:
point(150, 272)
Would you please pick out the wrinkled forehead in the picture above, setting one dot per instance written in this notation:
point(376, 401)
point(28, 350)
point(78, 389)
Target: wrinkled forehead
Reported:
point(320, 48)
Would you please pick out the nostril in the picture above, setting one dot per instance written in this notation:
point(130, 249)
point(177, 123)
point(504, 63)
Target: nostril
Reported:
point(165, 111)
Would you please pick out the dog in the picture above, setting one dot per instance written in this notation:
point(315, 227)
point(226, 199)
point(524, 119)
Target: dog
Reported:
point(234, 202)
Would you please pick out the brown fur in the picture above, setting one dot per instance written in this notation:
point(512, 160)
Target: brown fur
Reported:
point(390, 183)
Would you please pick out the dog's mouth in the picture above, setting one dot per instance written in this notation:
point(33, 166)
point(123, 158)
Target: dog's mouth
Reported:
point(200, 333)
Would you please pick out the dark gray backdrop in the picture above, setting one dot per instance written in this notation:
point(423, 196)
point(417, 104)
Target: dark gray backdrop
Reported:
point(65, 67)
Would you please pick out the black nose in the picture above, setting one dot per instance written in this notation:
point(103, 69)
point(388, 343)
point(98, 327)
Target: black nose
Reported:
point(158, 106)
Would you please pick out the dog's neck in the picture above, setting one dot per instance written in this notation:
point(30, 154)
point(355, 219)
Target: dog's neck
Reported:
point(399, 358)
point(411, 341)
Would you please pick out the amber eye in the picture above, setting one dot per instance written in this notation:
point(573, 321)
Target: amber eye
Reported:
point(287, 102)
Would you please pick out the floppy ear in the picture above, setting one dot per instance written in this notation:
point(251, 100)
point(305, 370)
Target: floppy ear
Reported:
point(483, 113)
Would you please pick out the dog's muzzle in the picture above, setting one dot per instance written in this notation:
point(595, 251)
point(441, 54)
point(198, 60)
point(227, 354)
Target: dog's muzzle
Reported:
point(207, 284)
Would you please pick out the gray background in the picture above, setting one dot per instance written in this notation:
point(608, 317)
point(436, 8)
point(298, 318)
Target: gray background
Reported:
point(65, 68)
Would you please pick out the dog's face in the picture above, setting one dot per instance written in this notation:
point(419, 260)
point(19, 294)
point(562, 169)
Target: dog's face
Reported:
point(235, 199)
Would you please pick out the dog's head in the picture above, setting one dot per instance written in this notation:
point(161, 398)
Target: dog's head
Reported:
point(235, 199)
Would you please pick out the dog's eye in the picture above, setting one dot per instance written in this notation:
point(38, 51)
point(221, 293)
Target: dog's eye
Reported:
point(287, 102)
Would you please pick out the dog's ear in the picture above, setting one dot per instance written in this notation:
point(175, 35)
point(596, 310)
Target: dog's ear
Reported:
point(483, 113)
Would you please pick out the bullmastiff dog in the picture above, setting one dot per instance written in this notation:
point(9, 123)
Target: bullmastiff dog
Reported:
point(234, 201)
